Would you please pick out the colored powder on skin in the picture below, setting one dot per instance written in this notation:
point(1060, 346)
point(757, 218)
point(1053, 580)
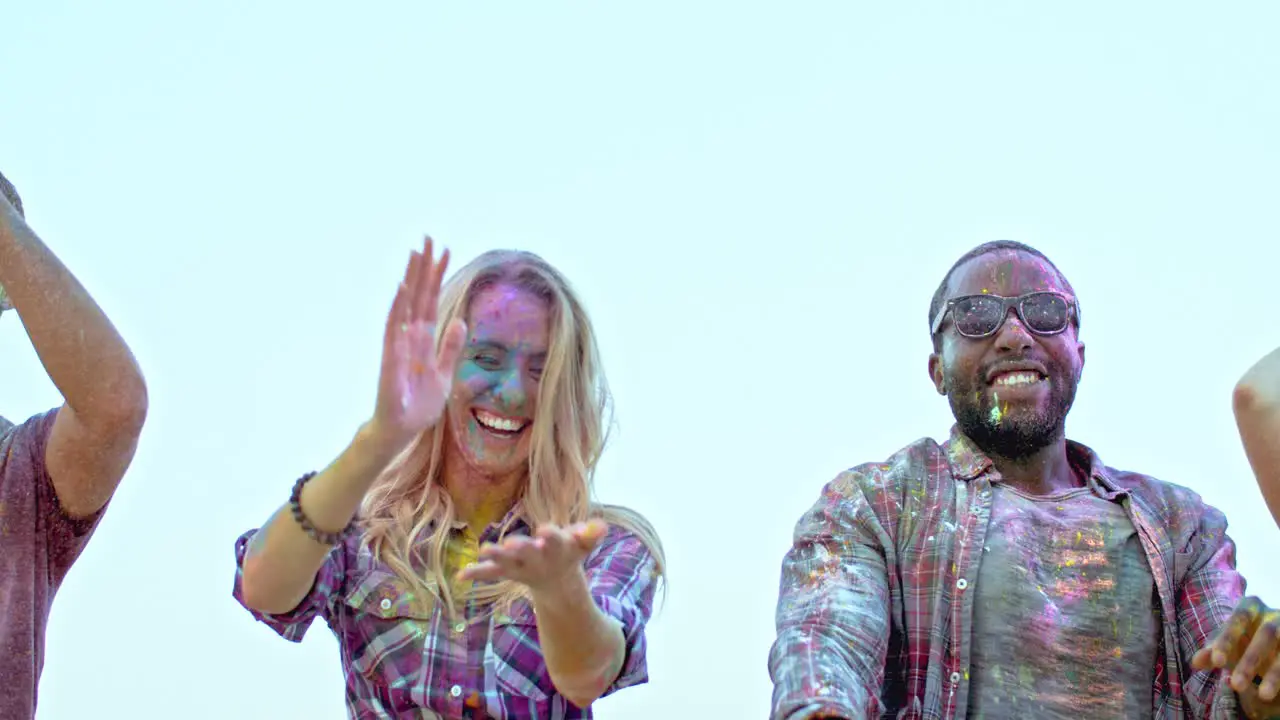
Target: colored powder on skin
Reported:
point(997, 414)
point(497, 383)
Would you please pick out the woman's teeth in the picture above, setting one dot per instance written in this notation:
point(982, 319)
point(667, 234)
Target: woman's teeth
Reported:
point(1018, 378)
point(501, 424)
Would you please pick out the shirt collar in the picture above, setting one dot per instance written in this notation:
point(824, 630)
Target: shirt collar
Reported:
point(513, 523)
point(968, 462)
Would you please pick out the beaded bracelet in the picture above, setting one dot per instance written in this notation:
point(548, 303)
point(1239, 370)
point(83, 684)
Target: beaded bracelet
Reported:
point(295, 506)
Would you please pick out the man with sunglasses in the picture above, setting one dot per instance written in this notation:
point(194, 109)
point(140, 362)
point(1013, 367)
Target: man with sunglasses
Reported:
point(59, 469)
point(1008, 572)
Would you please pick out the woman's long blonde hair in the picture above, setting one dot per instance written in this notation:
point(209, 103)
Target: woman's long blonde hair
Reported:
point(407, 514)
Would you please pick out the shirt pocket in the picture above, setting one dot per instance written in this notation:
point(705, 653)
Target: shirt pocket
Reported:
point(391, 628)
point(518, 666)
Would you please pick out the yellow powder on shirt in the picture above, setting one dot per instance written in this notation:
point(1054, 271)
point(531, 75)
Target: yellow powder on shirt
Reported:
point(462, 550)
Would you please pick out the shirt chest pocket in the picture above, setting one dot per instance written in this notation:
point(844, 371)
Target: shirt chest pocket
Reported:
point(516, 655)
point(391, 628)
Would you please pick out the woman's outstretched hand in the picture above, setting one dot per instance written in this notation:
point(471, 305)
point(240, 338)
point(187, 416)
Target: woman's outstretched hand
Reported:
point(543, 562)
point(416, 376)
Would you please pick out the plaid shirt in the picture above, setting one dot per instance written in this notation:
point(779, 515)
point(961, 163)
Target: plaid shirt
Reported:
point(875, 610)
point(401, 661)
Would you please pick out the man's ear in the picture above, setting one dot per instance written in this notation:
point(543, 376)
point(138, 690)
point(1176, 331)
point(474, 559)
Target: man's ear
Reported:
point(935, 373)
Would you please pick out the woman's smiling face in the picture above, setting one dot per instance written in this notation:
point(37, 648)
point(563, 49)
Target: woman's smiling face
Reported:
point(495, 387)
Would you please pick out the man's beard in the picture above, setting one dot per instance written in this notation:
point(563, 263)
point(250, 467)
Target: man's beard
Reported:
point(1017, 433)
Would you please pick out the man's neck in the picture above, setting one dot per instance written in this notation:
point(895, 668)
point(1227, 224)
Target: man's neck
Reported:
point(1045, 472)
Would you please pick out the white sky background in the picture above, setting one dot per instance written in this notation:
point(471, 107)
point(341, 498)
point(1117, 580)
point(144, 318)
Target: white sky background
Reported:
point(756, 203)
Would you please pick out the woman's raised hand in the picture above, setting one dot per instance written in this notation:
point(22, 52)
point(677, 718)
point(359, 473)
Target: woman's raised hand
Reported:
point(416, 376)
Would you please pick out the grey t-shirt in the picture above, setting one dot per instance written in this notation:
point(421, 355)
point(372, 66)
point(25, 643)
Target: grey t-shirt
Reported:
point(38, 544)
point(1064, 612)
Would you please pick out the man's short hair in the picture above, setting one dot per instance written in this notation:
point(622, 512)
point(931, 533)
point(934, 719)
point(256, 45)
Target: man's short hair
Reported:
point(940, 295)
point(11, 194)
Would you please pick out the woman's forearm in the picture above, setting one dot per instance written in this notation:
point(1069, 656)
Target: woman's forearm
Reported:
point(281, 562)
point(1256, 402)
point(584, 649)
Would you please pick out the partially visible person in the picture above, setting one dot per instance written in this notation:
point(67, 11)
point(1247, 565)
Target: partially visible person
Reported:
point(454, 548)
point(1256, 402)
point(1008, 572)
point(59, 469)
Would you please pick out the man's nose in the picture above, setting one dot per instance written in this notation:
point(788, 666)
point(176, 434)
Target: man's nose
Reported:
point(1013, 336)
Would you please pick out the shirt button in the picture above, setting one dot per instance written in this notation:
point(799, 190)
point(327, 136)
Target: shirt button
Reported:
point(460, 627)
point(955, 678)
point(962, 583)
point(386, 604)
point(455, 691)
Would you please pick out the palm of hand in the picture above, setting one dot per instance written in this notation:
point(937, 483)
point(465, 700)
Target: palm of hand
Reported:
point(1247, 649)
point(419, 384)
point(541, 562)
point(415, 379)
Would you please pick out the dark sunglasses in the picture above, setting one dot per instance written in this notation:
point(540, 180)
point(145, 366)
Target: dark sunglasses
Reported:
point(979, 316)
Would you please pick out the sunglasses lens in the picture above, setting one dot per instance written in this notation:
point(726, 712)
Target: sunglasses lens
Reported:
point(1045, 313)
point(977, 316)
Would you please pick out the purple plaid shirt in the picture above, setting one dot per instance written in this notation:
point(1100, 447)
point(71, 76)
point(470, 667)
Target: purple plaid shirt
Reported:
point(403, 662)
point(875, 612)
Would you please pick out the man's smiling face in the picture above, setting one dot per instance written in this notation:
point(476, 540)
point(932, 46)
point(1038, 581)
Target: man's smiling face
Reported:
point(1011, 390)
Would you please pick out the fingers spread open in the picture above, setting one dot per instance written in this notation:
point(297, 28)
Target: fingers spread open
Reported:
point(422, 281)
point(437, 281)
point(397, 318)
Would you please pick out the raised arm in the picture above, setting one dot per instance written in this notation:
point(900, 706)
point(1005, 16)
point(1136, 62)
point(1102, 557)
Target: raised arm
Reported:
point(95, 433)
point(833, 611)
point(1257, 408)
point(279, 567)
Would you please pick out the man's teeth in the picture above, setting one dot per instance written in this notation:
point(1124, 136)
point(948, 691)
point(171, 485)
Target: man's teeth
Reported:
point(1018, 378)
point(493, 422)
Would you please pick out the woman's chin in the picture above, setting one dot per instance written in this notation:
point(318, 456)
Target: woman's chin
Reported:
point(496, 462)
point(486, 454)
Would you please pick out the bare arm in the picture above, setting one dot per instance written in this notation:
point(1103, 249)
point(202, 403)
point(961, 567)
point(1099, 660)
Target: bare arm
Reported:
point(584, 649)
point(1256, 402)
point(96, 431)
point(592, 589)
point(282, 560)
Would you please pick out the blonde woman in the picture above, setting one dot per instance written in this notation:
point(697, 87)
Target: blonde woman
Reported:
point(1257, 408)
point(454, 547)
